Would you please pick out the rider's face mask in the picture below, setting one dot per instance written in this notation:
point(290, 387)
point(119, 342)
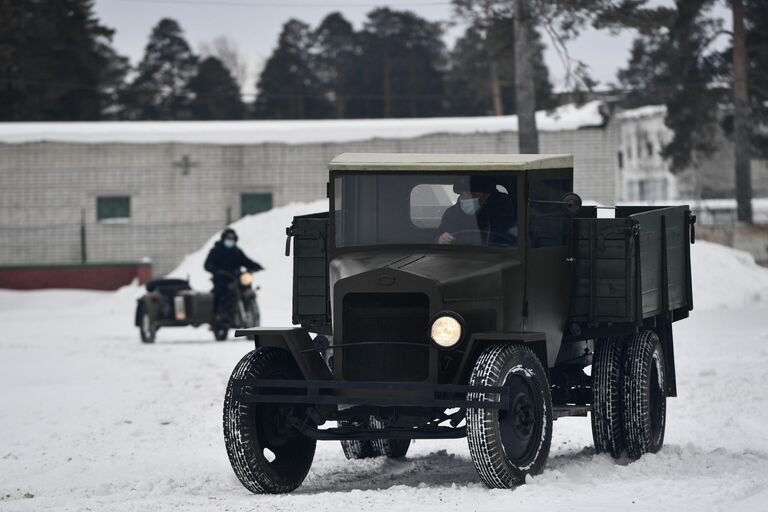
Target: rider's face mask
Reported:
point(229, 243)
point(470, 206)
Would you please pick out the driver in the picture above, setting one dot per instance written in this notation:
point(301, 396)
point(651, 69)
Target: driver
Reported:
point(224, 261)
point(482, 215)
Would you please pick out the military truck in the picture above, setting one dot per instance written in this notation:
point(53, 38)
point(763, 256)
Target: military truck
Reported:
point(531, 308)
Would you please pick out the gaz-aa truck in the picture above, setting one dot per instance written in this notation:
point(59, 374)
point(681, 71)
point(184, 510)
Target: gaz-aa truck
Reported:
point(449, 296)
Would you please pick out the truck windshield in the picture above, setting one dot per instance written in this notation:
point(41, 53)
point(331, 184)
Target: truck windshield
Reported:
point(425, 208)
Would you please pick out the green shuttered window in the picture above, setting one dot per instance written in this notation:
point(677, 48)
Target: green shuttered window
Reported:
point(113, 208)
point(255, 203)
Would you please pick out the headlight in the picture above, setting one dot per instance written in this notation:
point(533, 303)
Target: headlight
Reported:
point(446, 331)
point(246, 278)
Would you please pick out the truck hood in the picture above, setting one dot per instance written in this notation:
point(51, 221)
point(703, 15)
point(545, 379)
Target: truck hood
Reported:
point(457, 275)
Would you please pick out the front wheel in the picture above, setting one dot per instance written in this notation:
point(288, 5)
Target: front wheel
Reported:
point(506, 445)
point(147, 328)
point(220, 332)
point(267, 455)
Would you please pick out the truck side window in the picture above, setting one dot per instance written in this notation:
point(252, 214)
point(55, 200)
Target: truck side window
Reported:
point(547, 223)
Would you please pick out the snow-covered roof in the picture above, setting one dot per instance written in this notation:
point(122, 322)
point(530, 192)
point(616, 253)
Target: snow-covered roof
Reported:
point(641, 112)
point(446, 162)
point(566, 117)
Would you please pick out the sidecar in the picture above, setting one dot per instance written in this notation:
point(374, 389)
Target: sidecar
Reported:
point(171, 303)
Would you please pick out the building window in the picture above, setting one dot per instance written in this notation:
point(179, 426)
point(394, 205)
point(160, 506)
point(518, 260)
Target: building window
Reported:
point(251, 204)
point(621, 160)
point(113, 208)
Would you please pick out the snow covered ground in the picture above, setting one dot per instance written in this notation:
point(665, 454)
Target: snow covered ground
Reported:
point(91, 419)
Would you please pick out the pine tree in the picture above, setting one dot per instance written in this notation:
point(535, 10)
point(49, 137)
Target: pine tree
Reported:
point(161, 88)
point(647, 79)
point(216, 93)
point(56, 62)
point(401, 73)
point(227, 51)
point(756, 14)
point(469, 83)
point(337, 50)
point(289, 87)
point(673, 65)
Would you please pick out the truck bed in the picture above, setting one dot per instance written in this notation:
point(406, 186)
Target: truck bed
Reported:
point(632, 267)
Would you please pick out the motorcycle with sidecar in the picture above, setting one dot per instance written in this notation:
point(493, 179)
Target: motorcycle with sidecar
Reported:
point(173, 303)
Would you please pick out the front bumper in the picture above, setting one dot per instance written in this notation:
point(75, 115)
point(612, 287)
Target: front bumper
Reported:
point(380, 394)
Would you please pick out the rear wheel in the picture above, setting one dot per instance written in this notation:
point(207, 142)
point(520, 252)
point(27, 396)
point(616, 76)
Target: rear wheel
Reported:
point(392, 448)
point(365, 449)
point(356, 449)
point(607, 369)
point(267, 455)
point(645, 397)
point(147, 328)
point(506, 445)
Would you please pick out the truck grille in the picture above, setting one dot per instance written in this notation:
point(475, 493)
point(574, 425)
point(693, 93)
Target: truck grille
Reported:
point(388, 319)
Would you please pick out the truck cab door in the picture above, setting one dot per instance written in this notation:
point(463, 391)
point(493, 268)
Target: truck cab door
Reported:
point(548, 256)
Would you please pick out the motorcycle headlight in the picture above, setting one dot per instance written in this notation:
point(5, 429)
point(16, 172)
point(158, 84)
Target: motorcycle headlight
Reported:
point(446, 330)
point(246, 278)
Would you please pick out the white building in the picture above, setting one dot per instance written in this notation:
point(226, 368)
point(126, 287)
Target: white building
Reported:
point(643, 173)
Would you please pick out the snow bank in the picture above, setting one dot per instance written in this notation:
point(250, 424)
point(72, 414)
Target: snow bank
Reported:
point(566, 117)
point(646, 111)
point(725, 278)
point(722, 277)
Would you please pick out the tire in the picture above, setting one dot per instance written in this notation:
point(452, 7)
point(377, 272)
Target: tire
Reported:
point(252, 430)
point(255, 314)
point(354, 450)
point(644, 395)
point(147, 329)
point(507, 445)
point(392, 448)
point(220, 333)
point(607, 370)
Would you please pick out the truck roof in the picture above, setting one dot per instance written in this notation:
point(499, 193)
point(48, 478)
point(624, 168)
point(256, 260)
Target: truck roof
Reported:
point(447, 162)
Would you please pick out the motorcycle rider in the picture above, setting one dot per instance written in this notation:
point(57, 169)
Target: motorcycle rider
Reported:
point(224, 261)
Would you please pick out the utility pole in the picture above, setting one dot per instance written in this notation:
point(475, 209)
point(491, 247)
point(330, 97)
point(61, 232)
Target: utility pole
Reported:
point(741, 107)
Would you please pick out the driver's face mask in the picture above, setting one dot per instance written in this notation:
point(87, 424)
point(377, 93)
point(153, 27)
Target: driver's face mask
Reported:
point(470, 206)
point(229, 243)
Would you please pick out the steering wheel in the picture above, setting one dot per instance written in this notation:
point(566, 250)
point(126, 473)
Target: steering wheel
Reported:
point(510, 238)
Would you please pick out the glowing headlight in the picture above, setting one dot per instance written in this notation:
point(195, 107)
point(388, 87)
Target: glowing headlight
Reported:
point(246, 278)
point(446, 331)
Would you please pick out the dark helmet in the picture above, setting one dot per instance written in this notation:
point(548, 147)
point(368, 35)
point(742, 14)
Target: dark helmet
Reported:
point(229, 233)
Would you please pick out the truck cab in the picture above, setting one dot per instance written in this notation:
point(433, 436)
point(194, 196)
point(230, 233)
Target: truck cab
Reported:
point(464, 295)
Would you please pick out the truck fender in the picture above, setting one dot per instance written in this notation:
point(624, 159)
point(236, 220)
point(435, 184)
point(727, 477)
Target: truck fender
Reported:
point(296, 341)
point(477, 342)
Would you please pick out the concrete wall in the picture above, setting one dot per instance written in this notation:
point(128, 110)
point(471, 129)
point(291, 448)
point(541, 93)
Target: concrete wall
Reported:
point(48, 188)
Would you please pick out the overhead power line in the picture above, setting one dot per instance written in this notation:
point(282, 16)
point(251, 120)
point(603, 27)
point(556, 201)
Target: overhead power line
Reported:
point(260, 4)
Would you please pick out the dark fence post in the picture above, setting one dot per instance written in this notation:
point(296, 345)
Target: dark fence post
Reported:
point(83, 244)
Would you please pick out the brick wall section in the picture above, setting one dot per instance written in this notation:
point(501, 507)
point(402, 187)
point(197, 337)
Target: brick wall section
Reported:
point(47, 187)
point(89, 277)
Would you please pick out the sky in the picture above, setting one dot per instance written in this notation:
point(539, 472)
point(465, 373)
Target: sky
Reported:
point(255, 24)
